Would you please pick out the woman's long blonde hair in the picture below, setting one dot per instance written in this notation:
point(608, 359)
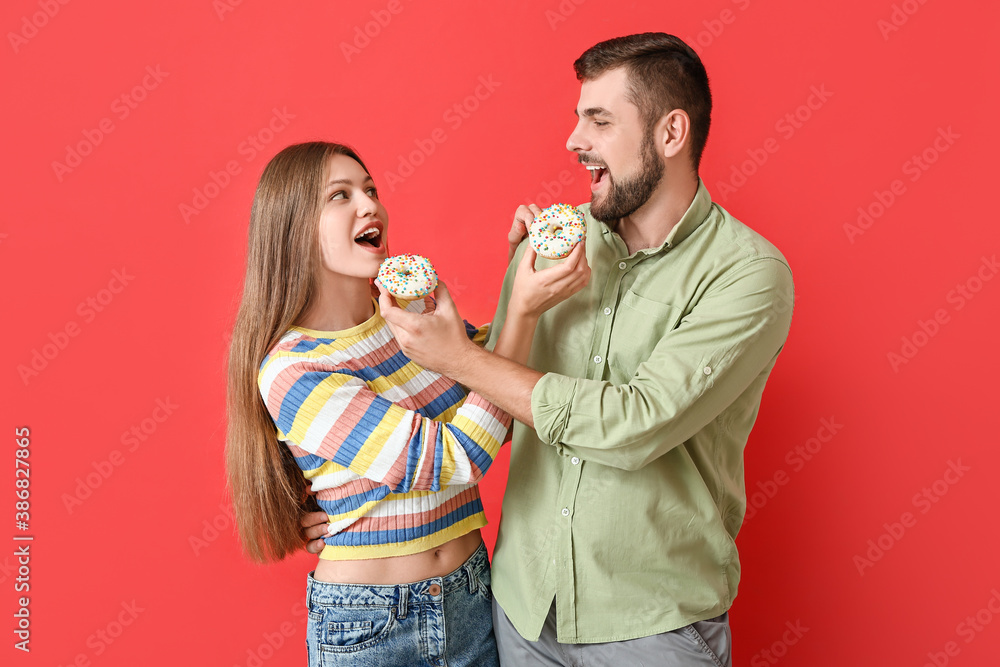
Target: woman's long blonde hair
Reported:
point(267, 487)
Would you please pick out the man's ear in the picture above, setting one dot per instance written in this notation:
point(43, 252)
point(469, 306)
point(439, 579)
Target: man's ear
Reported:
point(672, 134)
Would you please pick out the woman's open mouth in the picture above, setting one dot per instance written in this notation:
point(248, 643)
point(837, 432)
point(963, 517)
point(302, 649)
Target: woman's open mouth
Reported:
point(371, 237)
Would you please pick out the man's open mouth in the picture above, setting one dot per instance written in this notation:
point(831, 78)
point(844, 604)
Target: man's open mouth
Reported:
point(597, 176)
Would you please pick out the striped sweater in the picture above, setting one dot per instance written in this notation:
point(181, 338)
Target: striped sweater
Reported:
point(393, 450)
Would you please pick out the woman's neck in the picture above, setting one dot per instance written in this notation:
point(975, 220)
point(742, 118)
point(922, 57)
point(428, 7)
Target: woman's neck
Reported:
point(339, 305)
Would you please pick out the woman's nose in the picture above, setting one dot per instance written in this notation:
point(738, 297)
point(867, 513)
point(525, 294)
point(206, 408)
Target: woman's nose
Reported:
point(367, 206)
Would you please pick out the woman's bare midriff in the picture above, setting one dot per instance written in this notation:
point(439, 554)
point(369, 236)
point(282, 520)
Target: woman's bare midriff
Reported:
point(435, 562)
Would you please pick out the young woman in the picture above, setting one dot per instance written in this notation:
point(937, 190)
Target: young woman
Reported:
point(319, 390)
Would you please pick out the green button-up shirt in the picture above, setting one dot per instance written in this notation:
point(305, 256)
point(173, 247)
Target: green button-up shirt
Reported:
point(625, 500)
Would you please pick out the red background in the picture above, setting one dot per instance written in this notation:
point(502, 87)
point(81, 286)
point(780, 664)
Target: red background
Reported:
point(144, 537)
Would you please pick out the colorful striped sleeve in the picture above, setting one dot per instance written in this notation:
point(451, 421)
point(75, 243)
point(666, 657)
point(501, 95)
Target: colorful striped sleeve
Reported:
point(335, 415)
point(477, 335)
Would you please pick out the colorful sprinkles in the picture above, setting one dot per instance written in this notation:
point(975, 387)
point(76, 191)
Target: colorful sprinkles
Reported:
point(556, 230)
point(408, 276)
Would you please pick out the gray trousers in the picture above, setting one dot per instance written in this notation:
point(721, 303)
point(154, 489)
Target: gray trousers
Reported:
point(707, 643)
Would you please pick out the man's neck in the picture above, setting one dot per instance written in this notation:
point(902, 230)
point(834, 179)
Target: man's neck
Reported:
point(651, 223)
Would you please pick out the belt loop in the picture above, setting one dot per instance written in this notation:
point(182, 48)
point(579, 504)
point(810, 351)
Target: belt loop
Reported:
point(404, 592)
point(309, 586)
point(471, 576)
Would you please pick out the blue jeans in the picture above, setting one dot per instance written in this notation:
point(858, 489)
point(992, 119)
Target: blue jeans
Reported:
point(430, 623)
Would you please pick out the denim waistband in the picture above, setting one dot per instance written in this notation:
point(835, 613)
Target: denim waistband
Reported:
point(468, 575)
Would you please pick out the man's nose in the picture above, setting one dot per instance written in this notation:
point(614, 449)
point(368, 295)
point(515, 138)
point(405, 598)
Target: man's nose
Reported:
point(577, 141)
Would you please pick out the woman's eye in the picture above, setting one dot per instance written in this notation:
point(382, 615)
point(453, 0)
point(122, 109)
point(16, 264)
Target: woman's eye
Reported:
point(372, 192)
point(339, 194)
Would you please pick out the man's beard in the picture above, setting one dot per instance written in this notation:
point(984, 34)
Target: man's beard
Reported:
point(626, 196)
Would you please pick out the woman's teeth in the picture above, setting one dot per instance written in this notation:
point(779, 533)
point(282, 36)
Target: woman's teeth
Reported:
point(370, 236)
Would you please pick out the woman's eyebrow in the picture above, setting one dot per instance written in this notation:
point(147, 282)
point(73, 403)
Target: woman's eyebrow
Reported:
point(347, 181)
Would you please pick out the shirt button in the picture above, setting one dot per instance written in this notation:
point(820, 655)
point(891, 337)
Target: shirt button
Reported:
point(434, 590)
point(575, 460)
point(597, 359)
point(607, 311)
point(708, 370)
point(622, 265)
point(565, 511)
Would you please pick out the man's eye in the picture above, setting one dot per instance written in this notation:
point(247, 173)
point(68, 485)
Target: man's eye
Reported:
point(600, 123)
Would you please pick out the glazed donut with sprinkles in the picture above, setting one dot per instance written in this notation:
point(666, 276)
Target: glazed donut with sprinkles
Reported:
point(407, 276)
point(556, 230)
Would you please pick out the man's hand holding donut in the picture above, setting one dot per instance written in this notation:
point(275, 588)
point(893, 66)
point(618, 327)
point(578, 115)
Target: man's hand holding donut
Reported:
point(438, 340)
point(523, 217)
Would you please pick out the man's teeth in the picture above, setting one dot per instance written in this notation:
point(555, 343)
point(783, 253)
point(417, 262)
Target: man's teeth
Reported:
point(596, 173)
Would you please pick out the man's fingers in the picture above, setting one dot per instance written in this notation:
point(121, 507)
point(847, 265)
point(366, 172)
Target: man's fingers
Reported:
point(528, 258)
point(578, 256)
point(580, 267)
point(569, 265)
point(314, 518)
point(518, 231)
point(523, 217)
point(385, 300)
point(443, 298)
point(314, 526)
point(315, 533)
point(392, 313)
point(572, 273)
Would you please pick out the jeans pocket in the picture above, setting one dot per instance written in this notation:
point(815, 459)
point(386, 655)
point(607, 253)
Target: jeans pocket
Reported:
point(348, 633)
point(484, 587)
point(347, 629)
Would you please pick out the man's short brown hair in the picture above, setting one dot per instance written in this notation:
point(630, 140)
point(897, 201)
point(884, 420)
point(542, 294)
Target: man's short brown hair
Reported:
point(664, 74)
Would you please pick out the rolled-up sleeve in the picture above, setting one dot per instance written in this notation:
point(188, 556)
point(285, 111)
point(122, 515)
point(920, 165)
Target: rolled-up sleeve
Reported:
point(730, 337)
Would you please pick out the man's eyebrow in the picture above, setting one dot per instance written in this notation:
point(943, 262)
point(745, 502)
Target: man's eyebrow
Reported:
point(595, 111)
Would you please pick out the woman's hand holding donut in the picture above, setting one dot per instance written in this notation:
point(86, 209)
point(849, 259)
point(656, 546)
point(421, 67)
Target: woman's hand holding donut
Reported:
point(523, 217)
point(536, 291)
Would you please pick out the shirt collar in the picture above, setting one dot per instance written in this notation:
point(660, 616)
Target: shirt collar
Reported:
point(696, 214)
